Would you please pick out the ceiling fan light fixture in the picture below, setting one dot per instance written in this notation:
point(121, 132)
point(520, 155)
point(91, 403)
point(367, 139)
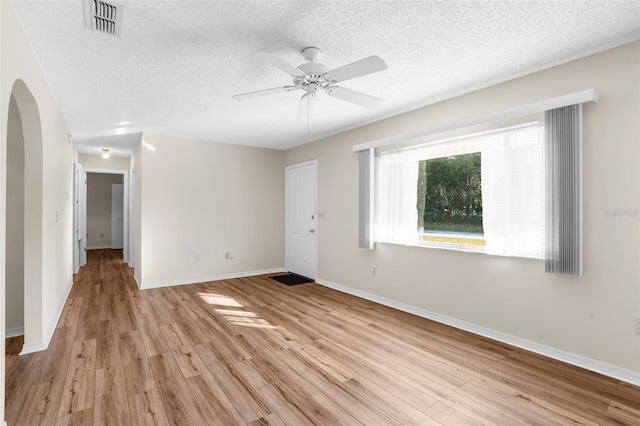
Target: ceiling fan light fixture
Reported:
point(311, 54)
point(105, 153)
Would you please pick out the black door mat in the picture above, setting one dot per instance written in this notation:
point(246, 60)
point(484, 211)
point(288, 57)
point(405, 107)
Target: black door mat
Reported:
point(291, 279)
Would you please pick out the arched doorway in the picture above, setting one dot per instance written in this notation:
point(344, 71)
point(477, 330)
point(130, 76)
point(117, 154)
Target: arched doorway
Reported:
point(23, 258)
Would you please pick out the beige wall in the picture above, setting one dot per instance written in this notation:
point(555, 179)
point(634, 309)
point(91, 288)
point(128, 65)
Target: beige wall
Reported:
point(202, 199)
point(591, 316)
point(96, 162)
point(14, 275)
point(99, 208)
point(51, 276)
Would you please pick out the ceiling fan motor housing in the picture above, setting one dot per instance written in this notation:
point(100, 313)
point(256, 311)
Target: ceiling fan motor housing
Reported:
point(314, 71)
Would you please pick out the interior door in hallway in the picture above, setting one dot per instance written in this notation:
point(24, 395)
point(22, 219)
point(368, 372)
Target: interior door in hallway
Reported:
point(301, 219)
point(80, 215)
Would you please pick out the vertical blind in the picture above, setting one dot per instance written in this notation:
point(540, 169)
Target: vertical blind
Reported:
point(563, 247)
point(365, 182)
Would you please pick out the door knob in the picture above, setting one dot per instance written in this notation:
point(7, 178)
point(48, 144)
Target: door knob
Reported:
point(312, 230)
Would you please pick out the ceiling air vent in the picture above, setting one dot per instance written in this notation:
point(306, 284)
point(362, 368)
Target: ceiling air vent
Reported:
point(103, 16)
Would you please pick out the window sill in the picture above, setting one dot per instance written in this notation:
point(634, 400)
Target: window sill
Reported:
point(441, 246)
point(456, 247)
point(451, 246)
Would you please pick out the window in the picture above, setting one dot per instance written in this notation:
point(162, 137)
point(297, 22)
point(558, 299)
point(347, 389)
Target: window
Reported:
point(479, 192)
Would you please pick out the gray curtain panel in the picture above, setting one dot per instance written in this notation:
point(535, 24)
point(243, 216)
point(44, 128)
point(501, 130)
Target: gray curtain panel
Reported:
point(366, 161)
point(563, 239)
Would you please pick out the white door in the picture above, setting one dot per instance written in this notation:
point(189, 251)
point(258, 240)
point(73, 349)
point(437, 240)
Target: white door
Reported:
point(81, 215)
point(301, 219)
point(117, 213)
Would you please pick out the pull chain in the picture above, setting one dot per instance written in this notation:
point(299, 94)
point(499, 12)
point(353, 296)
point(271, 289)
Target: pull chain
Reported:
point(308, 114)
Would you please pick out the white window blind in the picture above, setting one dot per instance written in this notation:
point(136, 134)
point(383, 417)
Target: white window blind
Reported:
point(513, 191)
point(512, 178)
point(396, 180)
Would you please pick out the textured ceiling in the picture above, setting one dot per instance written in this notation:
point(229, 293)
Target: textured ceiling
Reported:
point(176, 64)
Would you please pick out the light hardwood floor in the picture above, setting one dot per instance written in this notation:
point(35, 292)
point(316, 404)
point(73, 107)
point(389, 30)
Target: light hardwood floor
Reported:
point(253, 351)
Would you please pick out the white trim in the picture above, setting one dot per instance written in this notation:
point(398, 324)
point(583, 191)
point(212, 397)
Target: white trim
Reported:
point(99, 248)
point(42, 345)
point(580, 97)
point(199, 280)
point(31, 347)
point(14, 332)
point(315, 214)
point(106, 171)
point(613, 371)
point(136, 280)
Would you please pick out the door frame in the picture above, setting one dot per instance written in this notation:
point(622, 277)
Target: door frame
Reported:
point(125, 202)
point(122, 213)
point(286, 214)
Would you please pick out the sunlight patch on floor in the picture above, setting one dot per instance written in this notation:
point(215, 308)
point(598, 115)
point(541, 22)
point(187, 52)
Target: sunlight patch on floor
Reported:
point(228, 312)
point(219, 299)
point(234, 316)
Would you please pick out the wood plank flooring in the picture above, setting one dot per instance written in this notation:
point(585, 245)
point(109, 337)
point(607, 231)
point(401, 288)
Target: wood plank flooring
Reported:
point(252, 351)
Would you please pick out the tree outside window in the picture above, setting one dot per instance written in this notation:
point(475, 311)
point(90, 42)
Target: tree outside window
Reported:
point(450, 200)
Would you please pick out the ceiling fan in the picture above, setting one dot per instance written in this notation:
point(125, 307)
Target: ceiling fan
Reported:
point(313, 75)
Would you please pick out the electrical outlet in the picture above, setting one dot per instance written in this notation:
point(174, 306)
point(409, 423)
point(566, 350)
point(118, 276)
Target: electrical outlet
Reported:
point(228, 256)
point(373, 270)
point(638, 325)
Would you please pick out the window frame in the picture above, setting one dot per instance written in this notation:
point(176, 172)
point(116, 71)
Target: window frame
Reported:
point(460, 138)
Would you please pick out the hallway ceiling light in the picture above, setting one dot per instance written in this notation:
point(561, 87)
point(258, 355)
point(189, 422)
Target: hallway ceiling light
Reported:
point(105, 152)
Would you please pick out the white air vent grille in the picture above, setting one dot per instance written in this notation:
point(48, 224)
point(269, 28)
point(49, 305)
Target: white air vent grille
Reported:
point(103, 16)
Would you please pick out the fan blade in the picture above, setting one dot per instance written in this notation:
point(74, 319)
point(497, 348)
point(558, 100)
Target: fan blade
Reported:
point(356, 69)
point(274, 60)
point(354, 97)
point(249, 95)
point(307, 103)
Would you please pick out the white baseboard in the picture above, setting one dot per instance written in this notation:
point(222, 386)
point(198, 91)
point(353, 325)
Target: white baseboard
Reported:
point(613, 371)
point(98, 247)
point(210, 278)
point(14, 332)
point(30, 347)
